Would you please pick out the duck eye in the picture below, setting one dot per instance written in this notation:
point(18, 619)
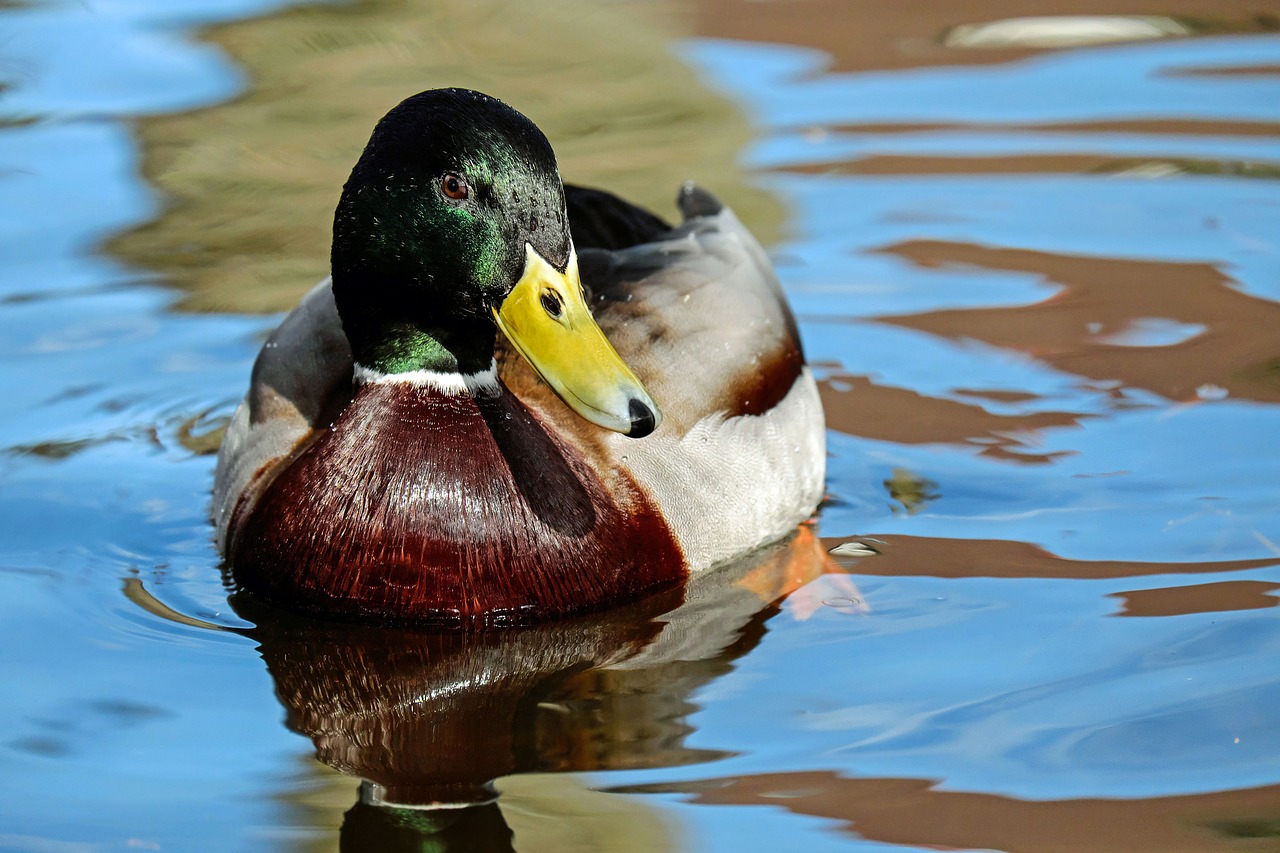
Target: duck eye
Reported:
point(551, 303)
point(454, 187)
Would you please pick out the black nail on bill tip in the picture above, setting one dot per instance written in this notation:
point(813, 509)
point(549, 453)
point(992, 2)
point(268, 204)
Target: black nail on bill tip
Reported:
point(642, 419)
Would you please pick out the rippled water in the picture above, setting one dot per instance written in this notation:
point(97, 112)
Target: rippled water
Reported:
point(1041, 289)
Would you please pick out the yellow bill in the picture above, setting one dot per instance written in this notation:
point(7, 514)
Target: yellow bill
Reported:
point(546, 318)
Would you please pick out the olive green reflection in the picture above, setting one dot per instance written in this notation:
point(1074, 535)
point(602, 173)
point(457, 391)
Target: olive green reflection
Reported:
point(251, 184)
point(911, 490)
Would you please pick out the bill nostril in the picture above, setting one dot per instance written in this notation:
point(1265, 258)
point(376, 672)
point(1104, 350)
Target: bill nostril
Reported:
point(552, 304)
point(643, 420)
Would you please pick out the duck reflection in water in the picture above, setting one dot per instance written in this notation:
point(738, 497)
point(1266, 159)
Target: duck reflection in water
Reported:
point(429, 720)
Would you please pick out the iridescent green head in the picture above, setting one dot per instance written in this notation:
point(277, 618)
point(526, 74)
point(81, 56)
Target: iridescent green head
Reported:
point(432, 225)
point(452, 225)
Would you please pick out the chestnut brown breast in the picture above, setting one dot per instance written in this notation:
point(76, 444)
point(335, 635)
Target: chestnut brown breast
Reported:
point(419, 506)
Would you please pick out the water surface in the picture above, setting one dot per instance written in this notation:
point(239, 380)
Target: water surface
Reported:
point(1040, 289)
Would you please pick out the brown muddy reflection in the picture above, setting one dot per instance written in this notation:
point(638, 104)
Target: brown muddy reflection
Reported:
point(865, 35)
point(1238, 349)
point(1232, 348)
point(431, 718)
point(1162, 126)
point(858, 406)
point(913, 812)
point(1029, 164)
point(997, 558)
point(1218, 597)
point(1234, 71)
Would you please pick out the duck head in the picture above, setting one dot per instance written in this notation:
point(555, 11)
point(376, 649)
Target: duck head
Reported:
point(453, 226)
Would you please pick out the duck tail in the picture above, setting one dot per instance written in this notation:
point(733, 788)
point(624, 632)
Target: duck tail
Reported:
point(694, 201)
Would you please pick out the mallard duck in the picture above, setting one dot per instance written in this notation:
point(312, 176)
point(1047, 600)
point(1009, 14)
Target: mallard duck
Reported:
point(514, 399)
